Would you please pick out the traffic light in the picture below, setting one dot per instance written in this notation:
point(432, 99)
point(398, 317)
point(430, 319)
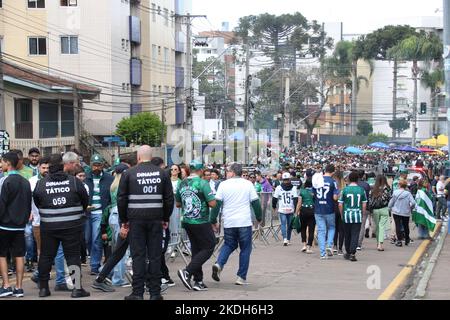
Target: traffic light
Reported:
point(423, 108)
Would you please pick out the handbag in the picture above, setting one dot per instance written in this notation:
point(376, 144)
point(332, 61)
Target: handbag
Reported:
point(296, 224)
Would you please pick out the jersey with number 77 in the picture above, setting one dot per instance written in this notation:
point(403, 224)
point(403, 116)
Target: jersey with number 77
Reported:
point(352, 198)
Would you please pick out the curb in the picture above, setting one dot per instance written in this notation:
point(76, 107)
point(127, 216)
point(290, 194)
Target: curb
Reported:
point(423, 284)
point(404, 274)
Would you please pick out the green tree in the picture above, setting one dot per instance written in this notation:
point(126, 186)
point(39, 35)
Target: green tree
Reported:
point(364, 128)
point(424, 47)
point(377, 137)
point(142, 128)
point(434, 80)
point(399, 125)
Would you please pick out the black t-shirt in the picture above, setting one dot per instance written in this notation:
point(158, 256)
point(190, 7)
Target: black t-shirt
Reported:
point(366, 187)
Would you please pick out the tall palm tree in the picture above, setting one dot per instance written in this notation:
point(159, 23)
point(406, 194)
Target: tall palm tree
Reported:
point(433, 80)
point(422, 47)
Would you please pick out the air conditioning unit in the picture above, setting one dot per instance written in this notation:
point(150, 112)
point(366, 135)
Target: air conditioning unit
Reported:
point(73, 3)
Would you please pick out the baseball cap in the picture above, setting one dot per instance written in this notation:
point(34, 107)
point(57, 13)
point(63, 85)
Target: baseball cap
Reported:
point(34, 150)
point(97, 159)
point(286, 176)
point(195, 165)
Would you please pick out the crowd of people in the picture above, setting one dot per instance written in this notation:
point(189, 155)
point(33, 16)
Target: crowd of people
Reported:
point(60, 211)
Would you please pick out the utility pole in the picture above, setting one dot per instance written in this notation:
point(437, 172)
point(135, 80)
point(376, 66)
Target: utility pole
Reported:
point(414, 115)
point(163, 120)
point(394, 97)
point(281, 108)
point(447, 64)
point(189, 155)
point(2, 94)
point(354, 102)
point(247, 103)
point(286, 118)
point(76, 112)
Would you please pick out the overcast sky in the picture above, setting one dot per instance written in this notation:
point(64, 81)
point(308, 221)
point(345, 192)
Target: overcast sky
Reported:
point(358, 16)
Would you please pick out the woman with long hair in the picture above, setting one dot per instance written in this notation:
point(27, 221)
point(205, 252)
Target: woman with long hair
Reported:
point(338, 176)
point(379, 198)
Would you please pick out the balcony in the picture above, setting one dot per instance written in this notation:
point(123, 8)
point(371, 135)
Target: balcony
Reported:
point(179, 113)
point(179, 77)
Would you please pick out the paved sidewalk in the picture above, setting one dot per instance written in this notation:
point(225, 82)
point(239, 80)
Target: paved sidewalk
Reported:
point(439, 285)
point(278, 272)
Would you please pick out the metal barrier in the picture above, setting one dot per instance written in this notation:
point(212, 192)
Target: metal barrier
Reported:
point(270, 227)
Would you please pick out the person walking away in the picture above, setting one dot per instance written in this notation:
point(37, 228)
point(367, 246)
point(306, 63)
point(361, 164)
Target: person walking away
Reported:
point(352, 204)
point(401, 205)
point(194, 196)
point(379, 198)
point(326, 193)
point(145, 202)
point(175, 223)
point(441, 206)
point(236, 197)
point(423, 215)
point(286, 197)
point(365, 229)
point(80, 174)
point(99, 184)
point(15, 208)
point(61, 200)
point(305, 209)
point(338, 176)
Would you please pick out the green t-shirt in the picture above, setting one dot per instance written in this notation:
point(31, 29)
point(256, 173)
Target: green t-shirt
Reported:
point(395, 184)
point(353, 198)
point(25, 172)
point(194, 194)
point(307, 198)
point(258, 187)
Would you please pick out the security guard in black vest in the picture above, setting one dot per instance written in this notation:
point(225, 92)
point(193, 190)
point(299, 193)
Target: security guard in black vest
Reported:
point(61, 200)
point(145, 202)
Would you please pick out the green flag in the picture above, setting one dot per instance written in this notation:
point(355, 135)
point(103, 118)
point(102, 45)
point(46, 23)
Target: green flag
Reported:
point(423, 214)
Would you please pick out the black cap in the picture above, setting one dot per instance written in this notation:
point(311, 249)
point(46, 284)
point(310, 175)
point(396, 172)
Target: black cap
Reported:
point(34, 150)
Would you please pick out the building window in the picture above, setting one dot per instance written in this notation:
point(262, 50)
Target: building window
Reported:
point(67, 119)
point(154, 52)
point(135, 108)
point(136, 72)
point(48, 118)
point(37, 46)
point(153, 12)
point(166, 17)
point(135, 29)
point(69, 45)
point(172, 18)
point(166, 57)
point(159, 50)
point(23, 118)
point(68, 3)
point(36, 3)
point(1, 4)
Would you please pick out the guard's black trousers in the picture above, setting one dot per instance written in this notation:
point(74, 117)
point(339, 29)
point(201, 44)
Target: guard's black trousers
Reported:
point(50, 241)
point(145, 238)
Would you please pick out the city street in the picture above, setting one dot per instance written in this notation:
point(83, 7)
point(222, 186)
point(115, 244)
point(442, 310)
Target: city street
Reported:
point(278, 272)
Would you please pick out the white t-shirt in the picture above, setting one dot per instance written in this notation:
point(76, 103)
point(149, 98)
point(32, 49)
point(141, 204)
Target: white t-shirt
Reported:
point(285, 199)
point(236, 195)
point(440, 185)
point(34, 210)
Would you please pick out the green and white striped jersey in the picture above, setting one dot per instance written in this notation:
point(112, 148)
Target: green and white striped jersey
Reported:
point(353, 197)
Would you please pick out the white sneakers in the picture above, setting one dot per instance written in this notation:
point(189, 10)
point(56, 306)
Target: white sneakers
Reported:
point(286, 242)
point(241, 282)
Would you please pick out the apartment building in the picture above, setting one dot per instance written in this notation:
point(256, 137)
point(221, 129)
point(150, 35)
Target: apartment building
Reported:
point(127, 48)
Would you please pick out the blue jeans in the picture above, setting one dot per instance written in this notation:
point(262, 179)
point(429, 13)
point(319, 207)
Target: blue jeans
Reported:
point(94, 240)
point(59, 266)
point(234, 237)
point(326, 225)
point(29, 242)
point(286, 230)
point(119, 270)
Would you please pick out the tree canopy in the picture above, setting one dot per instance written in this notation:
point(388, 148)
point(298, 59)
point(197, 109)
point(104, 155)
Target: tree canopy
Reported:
point(142, 128)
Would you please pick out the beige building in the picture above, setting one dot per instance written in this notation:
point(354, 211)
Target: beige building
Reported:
point(127, 48)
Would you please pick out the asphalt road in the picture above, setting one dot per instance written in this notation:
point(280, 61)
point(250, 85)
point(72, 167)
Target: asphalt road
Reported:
point(278, 272)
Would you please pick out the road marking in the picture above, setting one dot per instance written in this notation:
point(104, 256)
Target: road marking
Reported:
point(401, 278)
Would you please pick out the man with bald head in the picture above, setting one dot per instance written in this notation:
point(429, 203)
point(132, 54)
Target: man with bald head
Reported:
point(145, 203)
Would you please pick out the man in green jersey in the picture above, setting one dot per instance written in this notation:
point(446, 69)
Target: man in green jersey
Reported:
point(195, 197)
point(352, 206)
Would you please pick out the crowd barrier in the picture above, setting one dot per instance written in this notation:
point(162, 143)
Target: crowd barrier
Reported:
point(269, 228)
